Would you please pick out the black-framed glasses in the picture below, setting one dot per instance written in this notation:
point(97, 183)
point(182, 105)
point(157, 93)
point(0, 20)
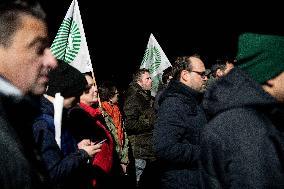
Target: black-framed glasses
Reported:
point(202, 74)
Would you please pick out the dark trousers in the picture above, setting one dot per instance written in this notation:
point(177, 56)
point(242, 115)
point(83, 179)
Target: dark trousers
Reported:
point(150, 177)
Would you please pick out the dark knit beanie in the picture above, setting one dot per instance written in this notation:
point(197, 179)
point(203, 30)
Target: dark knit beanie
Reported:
point(261, 56)
point(67, 80)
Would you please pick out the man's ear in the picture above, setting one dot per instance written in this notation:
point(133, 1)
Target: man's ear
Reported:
point(139, 82)
point(184, 75)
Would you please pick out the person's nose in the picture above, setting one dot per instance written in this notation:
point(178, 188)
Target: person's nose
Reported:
point(94, 89)
point(49, 60)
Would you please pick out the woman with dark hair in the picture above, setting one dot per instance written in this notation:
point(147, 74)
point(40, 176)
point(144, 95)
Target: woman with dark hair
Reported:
point(88, 115)
point(113, 117)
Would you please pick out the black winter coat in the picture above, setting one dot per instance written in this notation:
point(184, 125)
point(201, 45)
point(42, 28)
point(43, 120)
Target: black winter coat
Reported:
point(20, 165)
point(177, 135)
point(242, 146)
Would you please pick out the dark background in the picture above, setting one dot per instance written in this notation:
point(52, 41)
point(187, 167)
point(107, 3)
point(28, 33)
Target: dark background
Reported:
point(117, 33)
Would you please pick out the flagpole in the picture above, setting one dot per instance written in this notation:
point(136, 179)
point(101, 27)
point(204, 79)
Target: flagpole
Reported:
point(70, 44)
point(95, 83)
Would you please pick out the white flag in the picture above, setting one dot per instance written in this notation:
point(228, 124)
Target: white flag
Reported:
point(70, 43)
point(156, 61)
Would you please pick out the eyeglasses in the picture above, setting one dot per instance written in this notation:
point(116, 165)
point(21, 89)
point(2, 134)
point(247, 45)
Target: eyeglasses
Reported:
point(202, 74)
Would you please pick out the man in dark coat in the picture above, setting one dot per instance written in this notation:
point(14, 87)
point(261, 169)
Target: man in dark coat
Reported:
point(243, 145)
point(25, 59)
point(179, 123)
point(140, 117)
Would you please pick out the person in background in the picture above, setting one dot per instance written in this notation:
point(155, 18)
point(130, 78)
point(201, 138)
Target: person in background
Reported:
point(139, 122)
point(166, 77)
point(221, 68)
point(25, 59)
point(178, 127)
point(109, 96)
point(68, 162)
point(242, 145)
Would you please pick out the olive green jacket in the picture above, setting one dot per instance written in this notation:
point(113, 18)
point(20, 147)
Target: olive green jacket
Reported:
point(139, 123)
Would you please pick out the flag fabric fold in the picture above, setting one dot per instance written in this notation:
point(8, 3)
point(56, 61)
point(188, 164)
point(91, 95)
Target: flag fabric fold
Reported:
point(70, 44)
point(156, 61)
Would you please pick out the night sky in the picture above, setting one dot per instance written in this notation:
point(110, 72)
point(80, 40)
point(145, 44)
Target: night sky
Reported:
point(117, 33)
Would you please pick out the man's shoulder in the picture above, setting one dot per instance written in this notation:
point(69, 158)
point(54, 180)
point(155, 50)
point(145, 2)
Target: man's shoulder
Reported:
point(235, 120)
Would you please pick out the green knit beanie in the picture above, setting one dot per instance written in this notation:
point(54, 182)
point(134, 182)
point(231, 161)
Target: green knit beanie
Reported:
point(261, 56)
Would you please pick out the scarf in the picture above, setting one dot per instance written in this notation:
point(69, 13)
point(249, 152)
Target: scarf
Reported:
point(113, 111)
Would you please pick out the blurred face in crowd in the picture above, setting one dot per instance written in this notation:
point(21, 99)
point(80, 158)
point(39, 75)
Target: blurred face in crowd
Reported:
point(275, 87)
point(90, 95)
point(196, 78)
point(145, 81)
point(115, 97)
point(25, 62)
point(229, 67)
point(223, 72)
point(169, 79)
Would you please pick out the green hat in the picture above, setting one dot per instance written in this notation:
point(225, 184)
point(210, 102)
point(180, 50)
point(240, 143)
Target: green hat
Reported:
point(261, 56)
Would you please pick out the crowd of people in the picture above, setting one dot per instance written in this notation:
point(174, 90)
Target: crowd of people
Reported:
point(221, 128)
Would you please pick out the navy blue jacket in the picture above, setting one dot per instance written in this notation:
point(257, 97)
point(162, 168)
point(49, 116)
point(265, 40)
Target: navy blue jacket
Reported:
point(67, 167)
point(177, 135)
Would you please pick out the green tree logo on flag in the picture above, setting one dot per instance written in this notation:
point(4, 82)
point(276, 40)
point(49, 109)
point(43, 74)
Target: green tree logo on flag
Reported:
point(70, 43)
point(66, 44)
point(155, 61)
point(152, 55)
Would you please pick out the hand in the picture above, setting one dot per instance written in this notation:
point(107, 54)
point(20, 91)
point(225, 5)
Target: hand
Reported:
point(89, 147)
point(124, 168)
point(84, 142)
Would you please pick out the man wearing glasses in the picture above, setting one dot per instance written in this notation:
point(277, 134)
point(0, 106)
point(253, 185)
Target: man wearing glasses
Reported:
point(179, 123)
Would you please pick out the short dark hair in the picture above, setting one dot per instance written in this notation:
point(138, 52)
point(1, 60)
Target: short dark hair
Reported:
point(166, 74)
point(182, 63)
point(67, 80)
point(107, 90)
point(221, 63)
point(137, 75)
point(10, 16)
point(217, 66)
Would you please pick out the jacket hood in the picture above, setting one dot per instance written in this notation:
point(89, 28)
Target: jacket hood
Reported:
point(235, 90)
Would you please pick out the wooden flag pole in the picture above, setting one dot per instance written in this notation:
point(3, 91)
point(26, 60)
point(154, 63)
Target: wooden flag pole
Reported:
point(95, 83)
